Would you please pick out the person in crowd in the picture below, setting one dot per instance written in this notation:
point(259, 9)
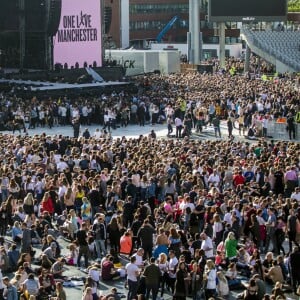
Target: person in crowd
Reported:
point(11, 290)
point(83, 246)
point(182, 276)
point(108, 271)
point(210, 275)
point(57, 269)
point(126, 243)
point(92, 285)
point(60, 292)
point(133, 273)
point(152, 276)
point(145, 236)
point(231, 247)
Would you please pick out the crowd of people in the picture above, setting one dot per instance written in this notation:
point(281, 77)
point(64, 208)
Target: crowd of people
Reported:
point(182, 101)
point(189, 217)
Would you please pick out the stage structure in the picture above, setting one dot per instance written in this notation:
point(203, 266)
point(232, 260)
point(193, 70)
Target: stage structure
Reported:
point(39, 34)
point(26, 30)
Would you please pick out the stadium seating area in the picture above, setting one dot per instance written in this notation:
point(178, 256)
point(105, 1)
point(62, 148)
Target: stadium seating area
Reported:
point(283, 45)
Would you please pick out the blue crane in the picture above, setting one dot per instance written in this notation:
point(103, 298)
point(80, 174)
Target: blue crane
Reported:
point(166, 28)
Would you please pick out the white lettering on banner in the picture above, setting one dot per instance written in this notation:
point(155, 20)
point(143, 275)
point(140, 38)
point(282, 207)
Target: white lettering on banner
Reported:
point(77, 28)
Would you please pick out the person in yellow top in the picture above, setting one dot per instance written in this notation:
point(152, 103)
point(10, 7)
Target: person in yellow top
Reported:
point(182, 106)
point(218, 110)
point(79, 194)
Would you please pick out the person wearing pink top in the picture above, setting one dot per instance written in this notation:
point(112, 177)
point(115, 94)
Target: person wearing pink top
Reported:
point(168, 207)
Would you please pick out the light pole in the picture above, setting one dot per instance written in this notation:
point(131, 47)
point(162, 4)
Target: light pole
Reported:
point(194, 32)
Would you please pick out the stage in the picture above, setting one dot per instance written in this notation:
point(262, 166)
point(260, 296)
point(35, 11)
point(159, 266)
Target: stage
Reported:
point(51, 86)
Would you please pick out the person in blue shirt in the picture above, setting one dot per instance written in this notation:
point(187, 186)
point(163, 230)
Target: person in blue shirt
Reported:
point(249, 174)
point(11, 290)
point(13, 255)
point(17, 233)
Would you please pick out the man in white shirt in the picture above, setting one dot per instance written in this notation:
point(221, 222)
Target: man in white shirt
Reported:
point(207, 245)
point(61, 165)
point(172, 268)
point(62, 190)
point(296, 195)
point(227, 217)
point(189, 204)
point(139, 257)
point(133, 272)
point(62, 112)
point(214, 179)
point(97, 134)
point(84, 113)
point(178, 124)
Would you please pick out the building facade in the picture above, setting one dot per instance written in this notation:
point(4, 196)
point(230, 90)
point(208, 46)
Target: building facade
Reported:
point(147, 18)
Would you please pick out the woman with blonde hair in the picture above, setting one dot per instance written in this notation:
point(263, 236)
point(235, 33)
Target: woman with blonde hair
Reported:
point(60, 292)
point(277, 291)
point(87, 294)
point(28, 205)
point(69, 199)
point(16, 281)
point(163, 264)
point(210, 276)
point(73, 254)
point(17, 232)
point(144, 187)
point(90, 283)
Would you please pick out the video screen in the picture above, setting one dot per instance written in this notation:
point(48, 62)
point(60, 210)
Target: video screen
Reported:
point(78, 39)
point(247, 10)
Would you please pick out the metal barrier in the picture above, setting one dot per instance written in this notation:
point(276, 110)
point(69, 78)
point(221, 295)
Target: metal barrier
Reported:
point(279, 131)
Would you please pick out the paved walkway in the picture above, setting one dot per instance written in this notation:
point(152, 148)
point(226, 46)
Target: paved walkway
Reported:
point(133, 131)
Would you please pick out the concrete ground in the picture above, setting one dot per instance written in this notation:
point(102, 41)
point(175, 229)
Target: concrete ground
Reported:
point(131, 131)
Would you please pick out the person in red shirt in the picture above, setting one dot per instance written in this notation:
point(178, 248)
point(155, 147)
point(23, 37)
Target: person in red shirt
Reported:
point(108, 271)
point(47, 204)
point(238, 179)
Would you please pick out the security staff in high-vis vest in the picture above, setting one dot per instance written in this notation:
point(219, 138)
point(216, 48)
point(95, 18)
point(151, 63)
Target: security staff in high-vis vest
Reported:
point(297, 117)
